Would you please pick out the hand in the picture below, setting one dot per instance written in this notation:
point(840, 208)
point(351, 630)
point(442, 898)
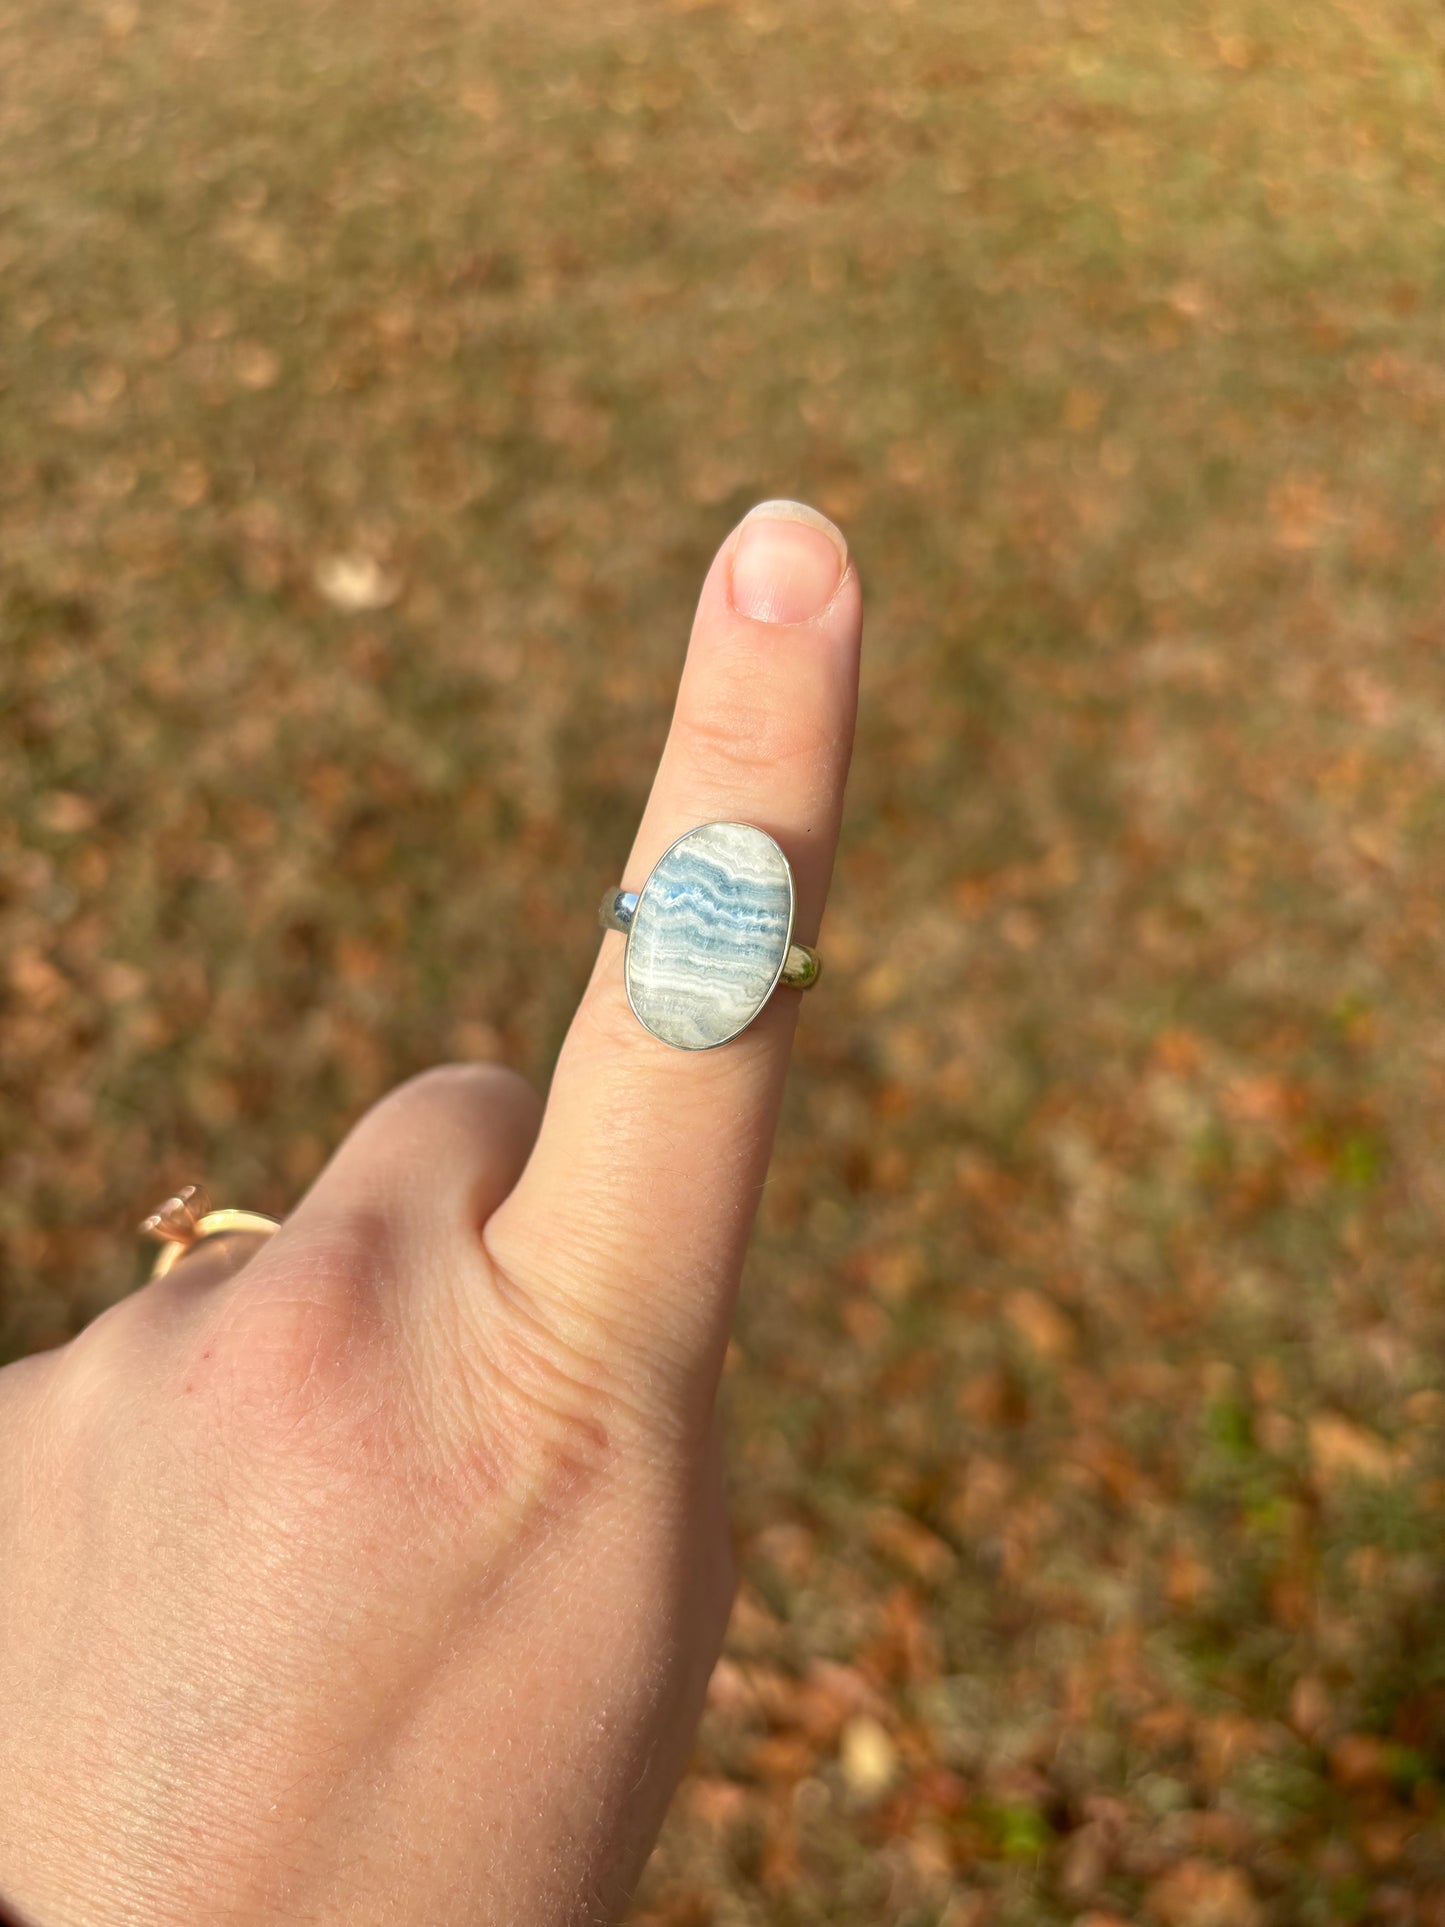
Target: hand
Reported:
point(379, 1579)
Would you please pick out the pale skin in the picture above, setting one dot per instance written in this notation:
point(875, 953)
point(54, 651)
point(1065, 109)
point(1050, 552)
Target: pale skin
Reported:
point(374, 1573)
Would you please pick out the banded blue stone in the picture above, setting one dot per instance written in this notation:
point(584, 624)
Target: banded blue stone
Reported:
point(709, 935)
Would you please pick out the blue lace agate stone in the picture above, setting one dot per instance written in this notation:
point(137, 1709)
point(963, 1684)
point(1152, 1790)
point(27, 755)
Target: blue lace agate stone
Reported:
point(709, 935)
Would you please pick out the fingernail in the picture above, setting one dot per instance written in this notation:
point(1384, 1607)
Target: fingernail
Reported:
point(787, 562)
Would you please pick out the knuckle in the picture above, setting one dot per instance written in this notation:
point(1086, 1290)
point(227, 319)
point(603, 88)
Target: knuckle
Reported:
point(482, 1419)
point(735, 725)
point(290, 1358)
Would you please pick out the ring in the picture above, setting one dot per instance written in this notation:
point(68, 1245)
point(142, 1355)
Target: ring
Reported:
point(188, 1218)
point(710, 935)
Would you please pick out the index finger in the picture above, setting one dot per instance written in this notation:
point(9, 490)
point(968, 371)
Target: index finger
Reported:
point(635, 1207)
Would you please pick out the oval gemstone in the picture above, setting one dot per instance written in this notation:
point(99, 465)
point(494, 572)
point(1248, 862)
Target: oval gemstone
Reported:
point(709, 935)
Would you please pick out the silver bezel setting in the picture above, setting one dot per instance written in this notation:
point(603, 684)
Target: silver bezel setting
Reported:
point(728, 823)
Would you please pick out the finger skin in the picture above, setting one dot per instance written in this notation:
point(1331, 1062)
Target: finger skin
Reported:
point(434, 1157)
point(634, 1210)
point(413, 1184)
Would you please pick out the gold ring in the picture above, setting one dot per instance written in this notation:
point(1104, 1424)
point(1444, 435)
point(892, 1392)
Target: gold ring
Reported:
point(188, 1218)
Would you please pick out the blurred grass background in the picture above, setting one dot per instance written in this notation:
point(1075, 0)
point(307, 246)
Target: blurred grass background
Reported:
point(375, 385)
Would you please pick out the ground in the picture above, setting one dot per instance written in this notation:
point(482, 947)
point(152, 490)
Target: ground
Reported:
point(375, 384)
